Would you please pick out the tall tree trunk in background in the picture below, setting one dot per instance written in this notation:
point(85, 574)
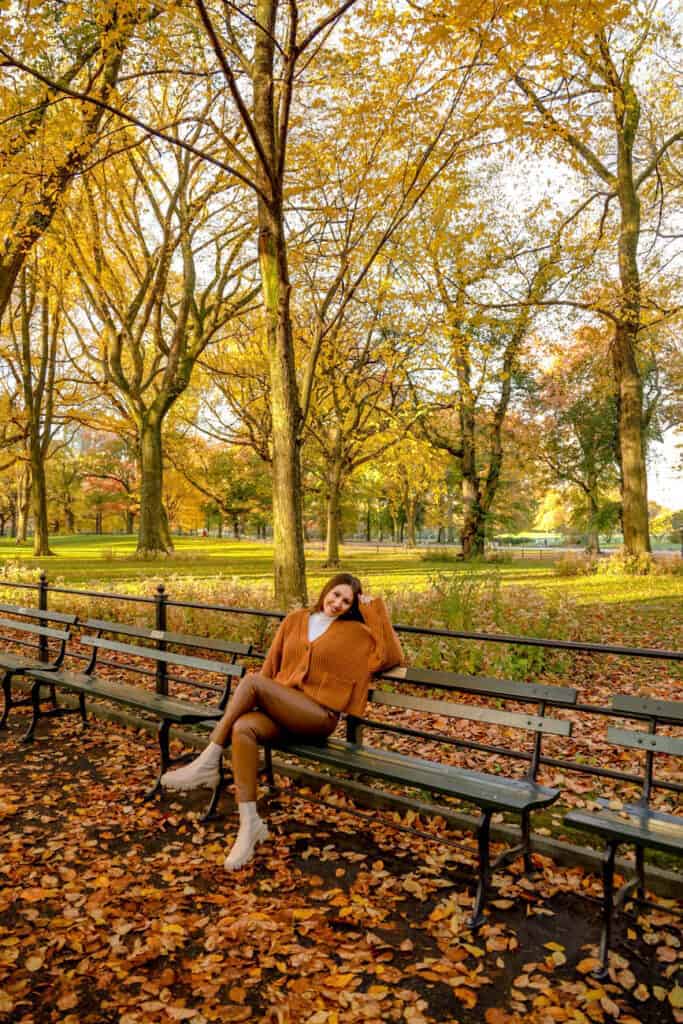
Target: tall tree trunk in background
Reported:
point(153, 534)
point(624, 346)
point(334, 485)
point(289, 567)
point(593, 545)
point(41, 539)
point(23, 502)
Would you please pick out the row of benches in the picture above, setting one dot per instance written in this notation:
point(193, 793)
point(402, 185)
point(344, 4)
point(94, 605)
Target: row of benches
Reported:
point(106, 659)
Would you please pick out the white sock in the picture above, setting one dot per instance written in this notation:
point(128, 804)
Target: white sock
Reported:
point(252, 831)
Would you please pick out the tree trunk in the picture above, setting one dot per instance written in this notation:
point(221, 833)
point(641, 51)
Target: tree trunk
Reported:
point(41, 539)
point(236, 526)
point(631, 443)
point(627, 373)
point(23, 502)
point(98, 523)
point(153, 538)
point(69, 520)
point(411, 522)
point(334, 478)
point(473, 522)
point(289, 567)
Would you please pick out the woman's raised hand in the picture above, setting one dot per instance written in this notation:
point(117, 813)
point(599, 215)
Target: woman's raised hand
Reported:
point(364, 599)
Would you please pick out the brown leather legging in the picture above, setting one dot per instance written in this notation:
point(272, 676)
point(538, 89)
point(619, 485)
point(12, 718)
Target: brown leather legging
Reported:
point(260, 711)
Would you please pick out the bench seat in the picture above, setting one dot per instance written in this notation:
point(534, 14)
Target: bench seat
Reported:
point(633, 824)
point(171, 708)
point(487, 791)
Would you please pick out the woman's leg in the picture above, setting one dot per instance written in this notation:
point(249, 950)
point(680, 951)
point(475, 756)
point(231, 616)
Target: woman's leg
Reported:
point(285, 713)
point(289, 708)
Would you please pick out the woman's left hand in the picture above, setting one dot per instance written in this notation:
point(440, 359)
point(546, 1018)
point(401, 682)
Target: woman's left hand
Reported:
point(365, 599)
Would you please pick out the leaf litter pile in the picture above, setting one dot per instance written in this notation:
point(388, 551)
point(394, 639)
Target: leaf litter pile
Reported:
point(114, 909)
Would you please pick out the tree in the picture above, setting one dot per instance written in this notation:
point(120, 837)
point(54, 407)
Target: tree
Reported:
point(574, 411)
point(46, 146)
point(153, 303)
point(581, 83)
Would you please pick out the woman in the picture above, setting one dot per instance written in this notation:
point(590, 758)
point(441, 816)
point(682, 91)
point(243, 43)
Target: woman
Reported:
point(318, 666)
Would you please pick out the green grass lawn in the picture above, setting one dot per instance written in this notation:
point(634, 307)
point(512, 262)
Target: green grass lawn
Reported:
point(106, 562)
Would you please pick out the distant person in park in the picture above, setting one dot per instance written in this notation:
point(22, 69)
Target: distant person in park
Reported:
point(319, 665)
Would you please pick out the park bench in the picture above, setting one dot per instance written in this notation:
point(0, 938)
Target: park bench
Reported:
point(634, 824)
point(33, 639)
point(151, 663)
point(491, 793)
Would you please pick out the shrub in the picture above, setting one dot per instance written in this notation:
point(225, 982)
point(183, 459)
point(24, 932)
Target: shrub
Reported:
point(621, 563)
point(576, 565)
point(441, 554)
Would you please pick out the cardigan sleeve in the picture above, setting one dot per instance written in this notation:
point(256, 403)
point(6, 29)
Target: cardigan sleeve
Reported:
point(387, 650)
point(271, 666)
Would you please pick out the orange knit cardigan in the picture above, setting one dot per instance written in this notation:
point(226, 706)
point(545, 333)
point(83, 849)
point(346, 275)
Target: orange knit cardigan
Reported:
point(336, 669)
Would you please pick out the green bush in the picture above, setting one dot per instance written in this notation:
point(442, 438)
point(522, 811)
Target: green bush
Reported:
point(572, 564)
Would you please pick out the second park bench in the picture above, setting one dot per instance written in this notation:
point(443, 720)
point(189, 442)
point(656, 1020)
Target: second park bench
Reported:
point(490, 793)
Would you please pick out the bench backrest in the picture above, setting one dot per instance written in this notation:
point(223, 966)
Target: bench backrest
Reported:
point(206, 643)
point(656, 712)
point(155, 659)
point(35, 633)
point(484, 686)
point(497, 690)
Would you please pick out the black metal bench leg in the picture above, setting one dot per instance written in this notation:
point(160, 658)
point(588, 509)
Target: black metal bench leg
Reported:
point(53, 695)
point(7, 693)
point(210, 812)
point(607, 908)
point(35, 703)
point(81, 708)
point(526, 841)
point(483, 838)
point(640, 872)
point(164, 757)
point(268, 767)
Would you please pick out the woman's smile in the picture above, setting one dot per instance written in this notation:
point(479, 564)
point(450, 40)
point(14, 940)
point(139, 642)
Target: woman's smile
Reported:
point(338, 600)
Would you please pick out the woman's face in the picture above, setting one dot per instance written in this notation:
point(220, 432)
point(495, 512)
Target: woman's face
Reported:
point(338, 600)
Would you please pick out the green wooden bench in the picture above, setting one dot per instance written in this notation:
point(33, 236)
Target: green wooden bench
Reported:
point(634, 824)
point(31, 641)
point(489, 792)
point(143, 662)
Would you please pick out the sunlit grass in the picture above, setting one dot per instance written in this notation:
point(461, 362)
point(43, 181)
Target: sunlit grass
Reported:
point(107, 562)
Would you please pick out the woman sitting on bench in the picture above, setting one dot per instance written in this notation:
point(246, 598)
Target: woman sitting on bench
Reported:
point(319, 665)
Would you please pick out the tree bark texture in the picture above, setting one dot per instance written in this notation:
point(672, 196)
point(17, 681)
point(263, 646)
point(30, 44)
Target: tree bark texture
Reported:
point(152, 530)
point(289, 568)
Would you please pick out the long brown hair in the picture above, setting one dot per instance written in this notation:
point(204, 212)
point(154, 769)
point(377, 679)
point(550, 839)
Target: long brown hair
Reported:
point(347, 580)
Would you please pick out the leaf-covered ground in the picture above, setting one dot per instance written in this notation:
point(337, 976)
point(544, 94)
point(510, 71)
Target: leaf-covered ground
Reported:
point(117, 910)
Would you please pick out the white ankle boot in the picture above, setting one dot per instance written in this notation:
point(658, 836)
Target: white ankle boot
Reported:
point(253, 830)
point(203, 771)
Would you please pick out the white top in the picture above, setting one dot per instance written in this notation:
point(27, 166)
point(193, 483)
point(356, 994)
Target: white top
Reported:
point(318, 623)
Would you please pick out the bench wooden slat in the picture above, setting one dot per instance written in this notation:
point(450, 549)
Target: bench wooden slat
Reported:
point(65, 618)
point(28, 627)
point(645, 741)
point(181, 639)
point(483, 685)
point(644, 828)
point(206, 664)
point(664, 709)
point(475, 787)
point(171, 708)
point(450, 709)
